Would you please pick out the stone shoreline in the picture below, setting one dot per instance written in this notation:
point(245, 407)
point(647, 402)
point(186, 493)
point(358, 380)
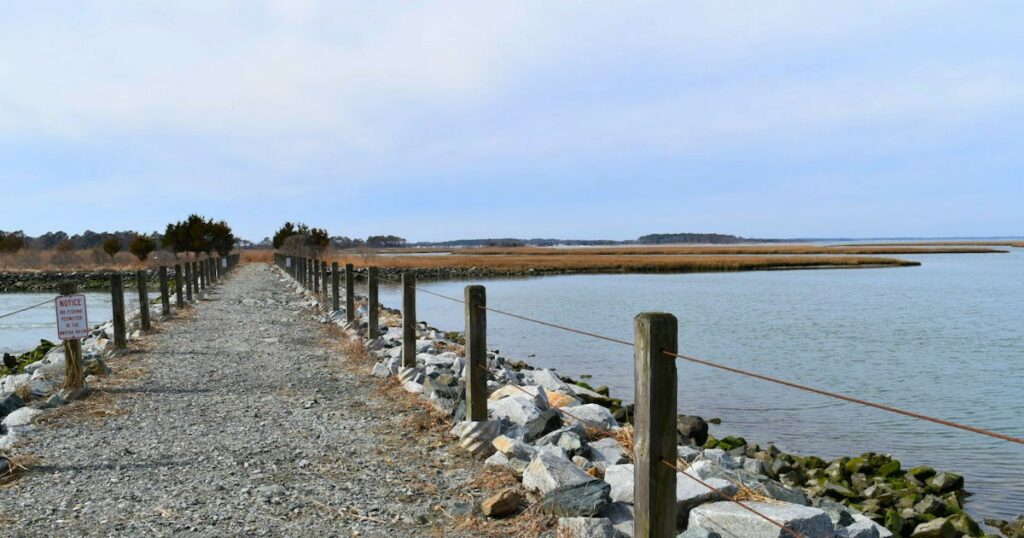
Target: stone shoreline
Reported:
point(562, 439)
point(47, 281)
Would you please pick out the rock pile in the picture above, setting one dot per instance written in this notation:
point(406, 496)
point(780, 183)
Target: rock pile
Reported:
point(564, 440)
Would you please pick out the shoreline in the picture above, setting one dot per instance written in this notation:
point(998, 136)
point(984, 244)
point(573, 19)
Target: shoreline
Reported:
point(871, 486)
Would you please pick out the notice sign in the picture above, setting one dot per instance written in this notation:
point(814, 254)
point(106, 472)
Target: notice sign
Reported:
point(287, 262)
point(72, 321)
point(223, 262)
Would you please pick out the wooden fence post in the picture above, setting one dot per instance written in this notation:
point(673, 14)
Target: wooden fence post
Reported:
point(654, 422)
point(165, 292)
point(335, 277)
point(188, 280)
point(408, 319)
point(140, 282)
point(117, 305)
point(73, 377)
point(350, 293)
point(371, 303)
point(316, 275)
point(200, 276)
point(179, 298)
point(476, 353)
point(323, 281)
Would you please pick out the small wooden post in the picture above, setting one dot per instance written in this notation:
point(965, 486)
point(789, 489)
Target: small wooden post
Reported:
point(408, 319)
point(195, 278)
point(201, 275)
point(117, 305)
point(140, 281)
point(335, 277)
point(73, 377)
point(189, 285)
point(179, 297)
point(371, 304)
point(316, 275)
point(165, 292)
point(476, 353)
point(350, 293)
point(323, 280)
point(654, 421)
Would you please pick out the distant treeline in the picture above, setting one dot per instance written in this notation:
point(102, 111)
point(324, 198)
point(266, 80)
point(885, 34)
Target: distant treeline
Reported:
point(16, 240)
point(650, 239)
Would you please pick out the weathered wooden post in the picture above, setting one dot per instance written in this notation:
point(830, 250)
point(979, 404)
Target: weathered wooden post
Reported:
point(140, 281)
point(315, 263)
point(165, 292)
point(654, 421)
point(73, 377)
point(179, 298)
point(323, 280)
point(335, 277)
point(350, 293)
point(371, 302)
point(476, 353)
point(188, 281)
point(408, 319)
point(117, 305)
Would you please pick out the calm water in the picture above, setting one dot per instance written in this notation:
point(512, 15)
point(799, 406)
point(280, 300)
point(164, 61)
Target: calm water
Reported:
point(22, 332)
point(945, 339)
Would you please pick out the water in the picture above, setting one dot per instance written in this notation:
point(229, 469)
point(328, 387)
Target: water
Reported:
point(944, 339)
point(21, 332)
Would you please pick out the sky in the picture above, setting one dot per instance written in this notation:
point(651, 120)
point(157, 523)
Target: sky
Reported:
point(450, 119)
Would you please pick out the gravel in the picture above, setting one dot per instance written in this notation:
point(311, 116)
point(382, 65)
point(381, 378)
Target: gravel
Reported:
point(244, 424)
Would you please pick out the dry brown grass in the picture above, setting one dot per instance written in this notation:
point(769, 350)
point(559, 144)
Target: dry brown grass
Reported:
point(730, 250)
point(31, 260)
point(19, 465)
point(257, 256)
point(585, 262)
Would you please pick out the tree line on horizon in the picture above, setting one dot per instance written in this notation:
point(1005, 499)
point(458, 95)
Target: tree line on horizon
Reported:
point(195, 235)
point(300, 238)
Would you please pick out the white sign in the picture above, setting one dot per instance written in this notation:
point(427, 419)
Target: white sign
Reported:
point(223, 262)
point(72, 320)
point(287, 262)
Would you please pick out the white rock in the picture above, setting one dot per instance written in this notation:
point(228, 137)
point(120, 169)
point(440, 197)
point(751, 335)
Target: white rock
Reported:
point(477, 437)
point(690, 493)
point(549, 470)
point(547, 379)
point(540, 398)
point(688, 453)
point(413, 387)
point(444, 360)
point(719, 457)
point(21, 418)
point(518, 410)
point(585, 527)
point(730, 519)
point(497, 459)
point(381, 370)
point(514, 448)
point(592, 415)
point(11, 383)
point(620, 478)
point(606, 452)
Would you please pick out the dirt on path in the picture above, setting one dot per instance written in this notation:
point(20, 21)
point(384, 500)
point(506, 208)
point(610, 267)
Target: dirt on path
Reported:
point(237, 419)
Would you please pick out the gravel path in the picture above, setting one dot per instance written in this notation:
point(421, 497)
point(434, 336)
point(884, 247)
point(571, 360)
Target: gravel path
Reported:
point(236, 422)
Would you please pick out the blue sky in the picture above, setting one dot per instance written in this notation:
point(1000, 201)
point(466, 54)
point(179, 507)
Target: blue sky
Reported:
point(442, 120)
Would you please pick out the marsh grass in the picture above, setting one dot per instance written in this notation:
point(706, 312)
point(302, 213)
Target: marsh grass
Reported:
point(585, 262)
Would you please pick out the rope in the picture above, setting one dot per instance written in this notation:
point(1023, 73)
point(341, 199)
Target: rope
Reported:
point(48, 301)
point(850, 399)
point(762, 377)
point(722, 494)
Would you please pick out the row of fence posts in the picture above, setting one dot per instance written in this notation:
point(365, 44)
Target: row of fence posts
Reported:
point(655, 381)
point(190, 278)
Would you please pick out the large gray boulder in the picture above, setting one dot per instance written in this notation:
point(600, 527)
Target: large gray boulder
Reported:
point(9, 404)
point(730, 519)
point(585, 499)
point(521, 411)
point(621, 516)
point(551, 469)
point(691, 494)
point(547, 379)
point(863, 527)
point(606, 452)
point(592, 415)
